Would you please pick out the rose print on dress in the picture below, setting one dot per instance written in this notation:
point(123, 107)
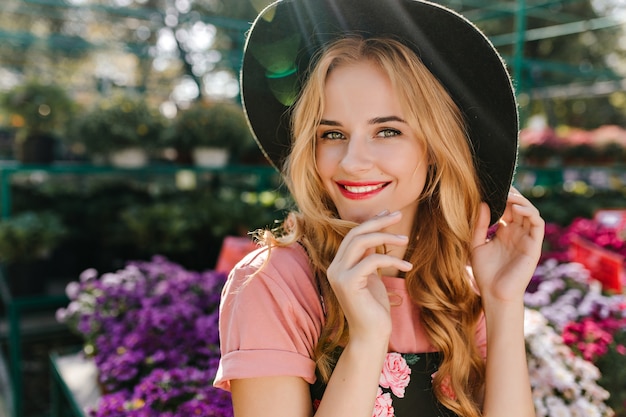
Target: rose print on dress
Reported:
point(446, 387)
point(316, 405)
point(404, 380)
point(383, 406)
point(396, 374)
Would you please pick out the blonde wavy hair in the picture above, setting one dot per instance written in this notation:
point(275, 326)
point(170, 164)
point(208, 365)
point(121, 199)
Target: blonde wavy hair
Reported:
point(440, 241)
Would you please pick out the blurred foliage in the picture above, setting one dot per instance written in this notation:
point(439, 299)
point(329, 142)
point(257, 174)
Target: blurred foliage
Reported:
point(561, 207)
point(116, 123)
point(30, 236)
point(613, 377)
point(148, 216)
point(218, 124)
point(580, 59)
point(189, 223)
point(37, 108)
point(175, 52)
point(236, 9)
point(165, 227)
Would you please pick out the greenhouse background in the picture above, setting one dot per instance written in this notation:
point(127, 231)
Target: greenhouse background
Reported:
point(110, 181)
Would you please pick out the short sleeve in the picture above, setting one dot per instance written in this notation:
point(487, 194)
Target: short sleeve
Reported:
point(270, 317)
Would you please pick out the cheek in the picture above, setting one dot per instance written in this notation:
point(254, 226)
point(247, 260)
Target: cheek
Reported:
point(414, 170)
point(406, 160)
point(325, 162)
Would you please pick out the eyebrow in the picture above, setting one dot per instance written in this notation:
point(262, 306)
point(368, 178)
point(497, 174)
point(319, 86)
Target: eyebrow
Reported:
point(374, 121)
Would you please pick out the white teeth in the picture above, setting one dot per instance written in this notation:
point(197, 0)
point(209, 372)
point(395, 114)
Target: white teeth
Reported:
point(363, 189)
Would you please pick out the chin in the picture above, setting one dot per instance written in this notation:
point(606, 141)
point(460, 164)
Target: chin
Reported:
point(358, 217)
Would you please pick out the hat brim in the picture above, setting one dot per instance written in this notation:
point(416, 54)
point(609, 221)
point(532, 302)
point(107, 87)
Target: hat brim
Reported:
point(287, 34)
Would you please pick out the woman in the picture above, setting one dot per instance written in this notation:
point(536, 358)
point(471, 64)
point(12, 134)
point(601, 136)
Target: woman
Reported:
point(367, 303)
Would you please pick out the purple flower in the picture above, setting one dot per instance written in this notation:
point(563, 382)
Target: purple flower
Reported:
point(153, 328)
point(88, 275)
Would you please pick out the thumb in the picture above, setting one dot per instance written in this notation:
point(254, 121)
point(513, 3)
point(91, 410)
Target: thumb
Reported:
point(482, 226)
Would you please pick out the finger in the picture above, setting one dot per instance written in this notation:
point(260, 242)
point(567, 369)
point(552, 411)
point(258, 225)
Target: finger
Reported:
point(363, 244)
point(514, 197)
point(371, 263)
point(482, 226)
point(374, 224)
point(532, 220)
point(519, 214)
point(521, 201)
point(378, 222)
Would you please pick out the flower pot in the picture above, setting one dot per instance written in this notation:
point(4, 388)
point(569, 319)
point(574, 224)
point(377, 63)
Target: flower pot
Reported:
point(184, 157)
point(135, 157)
point(210, 157)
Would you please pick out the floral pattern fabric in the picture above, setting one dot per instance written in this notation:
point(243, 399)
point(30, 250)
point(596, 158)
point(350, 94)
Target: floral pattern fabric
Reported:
point(405, 386)
point(396, 374)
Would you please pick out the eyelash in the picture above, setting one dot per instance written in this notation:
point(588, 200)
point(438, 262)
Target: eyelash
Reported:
point(394, 132)
point(327, 135)
point(385, 133)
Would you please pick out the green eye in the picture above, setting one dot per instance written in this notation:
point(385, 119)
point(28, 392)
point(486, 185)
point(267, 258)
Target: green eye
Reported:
point(332, 135)
point(388, 133)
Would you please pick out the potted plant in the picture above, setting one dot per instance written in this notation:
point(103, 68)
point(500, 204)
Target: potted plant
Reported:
point(26, 242)
point(38, 112)
point(151, 329)
point(165, 227)
point(121, 130)
point(208, 134)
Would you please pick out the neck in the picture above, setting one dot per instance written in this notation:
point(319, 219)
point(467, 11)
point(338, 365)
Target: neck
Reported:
point(395, 251)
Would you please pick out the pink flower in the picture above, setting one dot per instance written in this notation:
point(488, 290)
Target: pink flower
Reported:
point(383, 406)
point(316, 405)
point(395, 375)
point(621, 349)
point(446, 386)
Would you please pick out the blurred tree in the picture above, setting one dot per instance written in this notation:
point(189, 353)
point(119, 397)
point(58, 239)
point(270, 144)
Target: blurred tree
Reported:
point(179, 51)
point(588, 66)
point(174, 50)
point(574, 57)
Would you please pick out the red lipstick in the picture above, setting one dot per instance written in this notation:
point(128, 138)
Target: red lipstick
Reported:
point(360, 190)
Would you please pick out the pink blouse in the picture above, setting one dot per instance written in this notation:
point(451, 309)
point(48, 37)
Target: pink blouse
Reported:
point(270, 322)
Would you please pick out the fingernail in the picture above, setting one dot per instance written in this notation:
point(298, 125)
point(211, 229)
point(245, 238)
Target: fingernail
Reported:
point(395, 213)
point(403, 237)
point(407, 264)
point(382, 213)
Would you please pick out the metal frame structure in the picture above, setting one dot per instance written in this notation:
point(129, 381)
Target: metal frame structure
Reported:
point(557, 24)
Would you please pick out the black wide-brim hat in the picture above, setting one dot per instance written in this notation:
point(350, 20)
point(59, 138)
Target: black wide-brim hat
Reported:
point(286, 36)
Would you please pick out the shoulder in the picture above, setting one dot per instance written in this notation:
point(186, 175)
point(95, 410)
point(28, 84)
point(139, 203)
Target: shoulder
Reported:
point(280, 264)
point(275, 259)
point(280, 272)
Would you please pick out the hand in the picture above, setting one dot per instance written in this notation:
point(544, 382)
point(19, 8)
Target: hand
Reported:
point(354, 278)
point(504, 265)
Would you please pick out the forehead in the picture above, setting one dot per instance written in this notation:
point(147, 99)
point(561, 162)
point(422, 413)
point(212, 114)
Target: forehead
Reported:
point(363, 84)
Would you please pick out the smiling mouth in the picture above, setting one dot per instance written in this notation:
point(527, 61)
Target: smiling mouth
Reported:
point(361, 191)
point(363, 188)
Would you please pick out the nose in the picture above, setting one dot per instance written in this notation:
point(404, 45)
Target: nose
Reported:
point(357, 156)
